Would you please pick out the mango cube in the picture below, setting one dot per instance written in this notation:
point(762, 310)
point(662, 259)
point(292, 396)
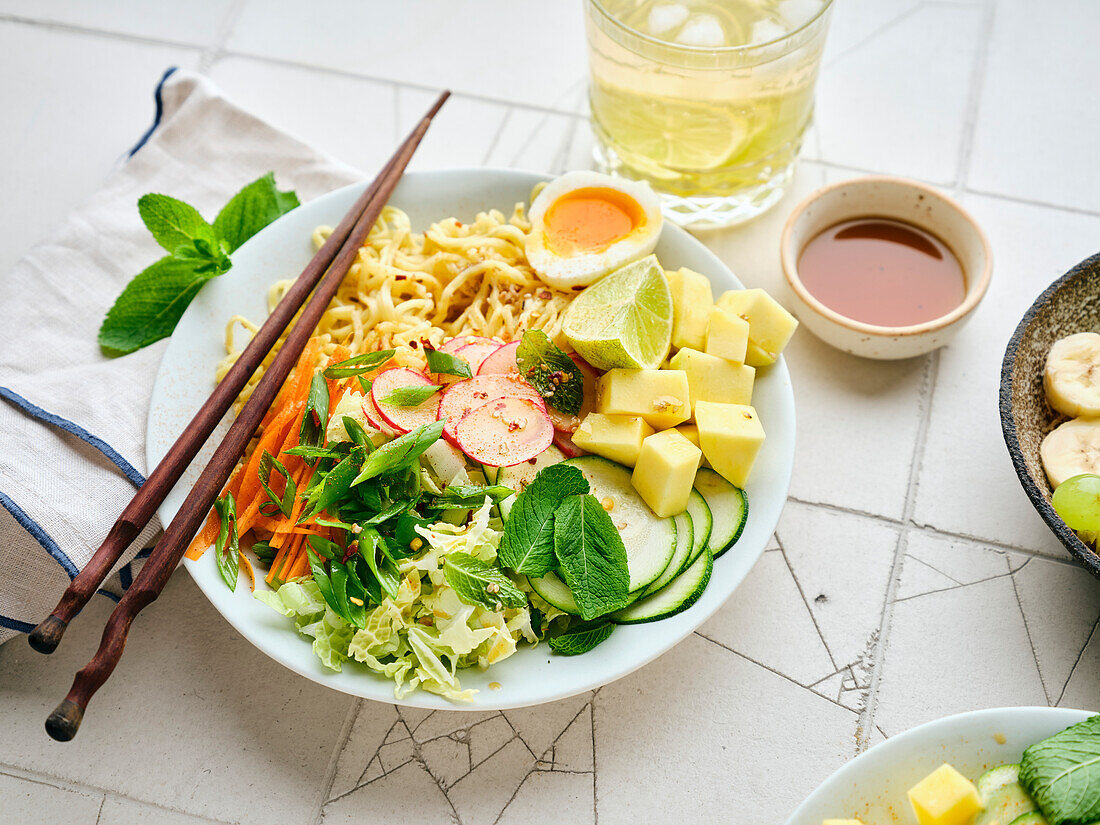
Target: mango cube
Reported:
point(770, 326)
point(730, 436)
point(617, 437)
point(666, 471)
point(711, 378)
point(691, 303)
point(945, 797)
point(691, 433)
point(661, 397)
point(727, 335)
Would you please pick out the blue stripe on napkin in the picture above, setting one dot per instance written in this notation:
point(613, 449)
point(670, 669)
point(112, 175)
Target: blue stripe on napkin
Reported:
point(40, 535)
point(156, 117)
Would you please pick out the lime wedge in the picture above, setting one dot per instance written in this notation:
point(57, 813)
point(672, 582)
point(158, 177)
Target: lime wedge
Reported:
point(624, 319)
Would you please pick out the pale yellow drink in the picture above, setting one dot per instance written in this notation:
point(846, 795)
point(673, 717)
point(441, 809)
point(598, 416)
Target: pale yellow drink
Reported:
point(705, 99)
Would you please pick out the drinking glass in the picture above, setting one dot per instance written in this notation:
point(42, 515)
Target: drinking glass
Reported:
point(707, 100)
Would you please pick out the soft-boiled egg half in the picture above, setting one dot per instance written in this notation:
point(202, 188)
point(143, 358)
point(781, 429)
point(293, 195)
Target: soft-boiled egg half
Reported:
point(585, 225)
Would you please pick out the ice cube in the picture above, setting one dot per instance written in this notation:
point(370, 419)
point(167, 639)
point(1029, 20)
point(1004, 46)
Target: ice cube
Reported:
point(702, 30)
point(663, 19)
point(798, 12)
point(765, 31)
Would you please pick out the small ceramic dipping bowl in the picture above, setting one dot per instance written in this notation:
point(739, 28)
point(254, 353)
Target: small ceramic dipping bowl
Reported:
point(899, 199)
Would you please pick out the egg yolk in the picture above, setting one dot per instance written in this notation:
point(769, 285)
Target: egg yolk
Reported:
point(590, 220)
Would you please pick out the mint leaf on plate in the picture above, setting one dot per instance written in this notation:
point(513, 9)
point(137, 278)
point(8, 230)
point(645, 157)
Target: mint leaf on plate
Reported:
point(581, 638)
point(527, 545)
point(591, 556)
point(1062, 774)
point(151, 305)
point(479, 583)
point(172, 222)
point(251, 209)
point(549, 370)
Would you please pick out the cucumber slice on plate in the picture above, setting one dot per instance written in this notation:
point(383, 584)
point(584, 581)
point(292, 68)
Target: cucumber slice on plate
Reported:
point(555, 592)
point(684, 544)
point(650, 541)
point(1030, 818)
point(729, 509)
point(1003, 797)
point(700, 525)
point(518, 476)
point(675, 597)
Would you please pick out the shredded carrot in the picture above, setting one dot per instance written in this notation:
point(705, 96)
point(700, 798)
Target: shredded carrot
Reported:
point(205, 537)
point(277, 563)
point(246, 565)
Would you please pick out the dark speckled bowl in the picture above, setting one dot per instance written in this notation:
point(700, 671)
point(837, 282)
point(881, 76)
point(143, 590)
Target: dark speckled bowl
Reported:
point(1069, 305)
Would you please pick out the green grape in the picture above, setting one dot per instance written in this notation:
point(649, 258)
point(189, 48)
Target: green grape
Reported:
point(1077, 501)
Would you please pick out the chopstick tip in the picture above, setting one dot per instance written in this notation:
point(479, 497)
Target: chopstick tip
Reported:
point(438, 104)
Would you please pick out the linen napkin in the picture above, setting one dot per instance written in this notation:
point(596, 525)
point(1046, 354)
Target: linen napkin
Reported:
point(72, 421)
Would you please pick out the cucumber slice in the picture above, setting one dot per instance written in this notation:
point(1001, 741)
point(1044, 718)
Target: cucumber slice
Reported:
point(729, 509)
point(1030, 818)
point(518, 476)
point(684, 544)
point(675, 597)
point(490, 473)
point(1003, 798)
point(650, 541)
point(556, 592)
point(700, 525)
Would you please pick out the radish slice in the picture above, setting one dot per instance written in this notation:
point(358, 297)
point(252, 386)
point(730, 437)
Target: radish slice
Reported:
point(460, 341)
point(565, 443)
point(403, 419)
point(459, 399)
point(501, 362)
point(506, 431)
point(476, 353)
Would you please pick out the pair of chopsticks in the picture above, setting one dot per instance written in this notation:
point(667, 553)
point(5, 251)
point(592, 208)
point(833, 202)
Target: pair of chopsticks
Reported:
point(325, 273)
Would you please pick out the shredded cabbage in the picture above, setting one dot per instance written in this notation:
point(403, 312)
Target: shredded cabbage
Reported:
point(424, 636)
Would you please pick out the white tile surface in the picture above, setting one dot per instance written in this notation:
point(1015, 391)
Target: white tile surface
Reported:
point(967, 484)
point(117, 811)
point(24, 800)
point(897, 102)
point(522, 51)
point(462, 134)
point(89, 101)
point(197, 22)
point(1050, 155)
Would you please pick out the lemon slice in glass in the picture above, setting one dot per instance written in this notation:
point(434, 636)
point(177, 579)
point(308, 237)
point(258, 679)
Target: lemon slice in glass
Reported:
point(624, 319)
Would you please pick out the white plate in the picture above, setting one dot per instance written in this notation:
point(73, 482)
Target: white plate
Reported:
point(872, 787)
point(531, 676)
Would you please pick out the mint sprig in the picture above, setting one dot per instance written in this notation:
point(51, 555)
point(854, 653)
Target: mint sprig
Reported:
point(1062, 774)
point(581, 638)
point(549, 370)
point(527, 545)
point(591, 556)
point(153, 302)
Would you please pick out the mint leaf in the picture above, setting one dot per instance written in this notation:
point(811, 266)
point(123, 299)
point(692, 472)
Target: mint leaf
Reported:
point(173, 222)
point(359, 364)
point(479, 583)
point(591, 555)
point(227, 547)
point(444, 362)
point(527, 545)
point(400, 452)
point(549, 370)
point(251, 209)
point(581, 639)
point(151, 305)
point(1062, 774)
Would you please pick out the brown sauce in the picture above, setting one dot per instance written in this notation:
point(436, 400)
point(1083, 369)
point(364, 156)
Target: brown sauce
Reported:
point(882, 271)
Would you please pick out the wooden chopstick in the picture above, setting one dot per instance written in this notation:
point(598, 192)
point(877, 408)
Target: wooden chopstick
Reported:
point(64, 722)
point(47, 635)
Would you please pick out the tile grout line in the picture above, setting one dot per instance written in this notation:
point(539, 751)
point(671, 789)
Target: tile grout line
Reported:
point(1077, 662)
point(90, 31)
point(974, 100)
point(867, 716)
point(213, 53)
point(334, 759)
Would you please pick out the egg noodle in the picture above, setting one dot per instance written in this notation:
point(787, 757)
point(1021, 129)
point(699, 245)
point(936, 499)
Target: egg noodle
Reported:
point(407, 287)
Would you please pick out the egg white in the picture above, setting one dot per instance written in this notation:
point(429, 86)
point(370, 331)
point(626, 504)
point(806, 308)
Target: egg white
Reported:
point(584, 268)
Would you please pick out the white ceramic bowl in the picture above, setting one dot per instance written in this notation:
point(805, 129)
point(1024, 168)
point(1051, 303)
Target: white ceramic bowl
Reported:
point(872, 786)
point(903, 200)
point(531, 676)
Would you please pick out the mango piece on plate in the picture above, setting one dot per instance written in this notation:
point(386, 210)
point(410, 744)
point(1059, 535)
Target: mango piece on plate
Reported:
point(770, 326)
point(691, 433)
point(711, 378)
point(661, 397)
point(727, 335)
point(616, 437)
point(691, 303)
point(945, 797)
point(730, 436)
point(665, 472)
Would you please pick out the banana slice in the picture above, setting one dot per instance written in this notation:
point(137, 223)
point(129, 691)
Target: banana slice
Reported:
point(1072, 378)
point(1071, 449)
